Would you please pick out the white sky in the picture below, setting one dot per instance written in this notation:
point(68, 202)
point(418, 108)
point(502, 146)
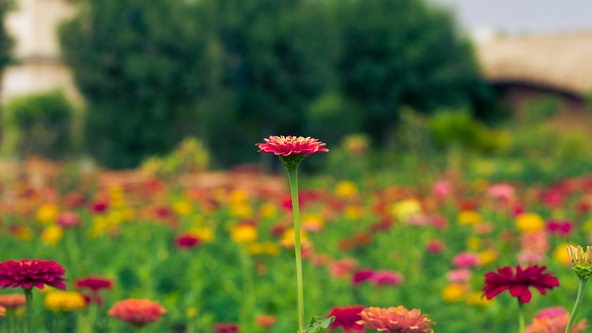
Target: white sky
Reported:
point(523, 16)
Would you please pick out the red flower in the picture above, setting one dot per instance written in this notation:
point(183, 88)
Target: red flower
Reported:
point(138, 312)
point(31, 273)
point(518, 281)
point(226, 328)
point(187, 241)
point(94, 283)
point(12, 300)
point(291, 145)
point(347, 317)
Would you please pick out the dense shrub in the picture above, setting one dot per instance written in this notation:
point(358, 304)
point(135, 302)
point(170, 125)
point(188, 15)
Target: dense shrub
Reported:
point(42, 124)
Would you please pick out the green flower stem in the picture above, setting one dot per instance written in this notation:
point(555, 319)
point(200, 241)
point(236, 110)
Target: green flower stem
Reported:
point(28, 316)
point(293, 179)
point(521, 324)
point(572, 317)
point(248, 308)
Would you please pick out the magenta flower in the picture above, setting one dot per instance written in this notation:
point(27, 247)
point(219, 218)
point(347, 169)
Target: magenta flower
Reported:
point(518, 282)
point(346, 318)
point(291, 145)
point(31, 273)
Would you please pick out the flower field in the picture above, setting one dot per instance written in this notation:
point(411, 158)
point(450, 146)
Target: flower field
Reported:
point(205, 257)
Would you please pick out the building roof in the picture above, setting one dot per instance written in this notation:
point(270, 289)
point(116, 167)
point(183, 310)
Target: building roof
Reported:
point(556, 61)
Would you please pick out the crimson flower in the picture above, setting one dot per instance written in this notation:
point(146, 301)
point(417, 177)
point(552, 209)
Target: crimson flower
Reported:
point(187, 241)
point(518, 281)
point(31, 273)
point(137, 312)
point(291, 145)
point(346, 317)
point(94, 283)
point(226, 328)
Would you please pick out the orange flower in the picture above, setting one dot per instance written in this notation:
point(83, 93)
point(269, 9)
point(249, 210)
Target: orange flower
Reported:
point(138, 312)
point(396, 320)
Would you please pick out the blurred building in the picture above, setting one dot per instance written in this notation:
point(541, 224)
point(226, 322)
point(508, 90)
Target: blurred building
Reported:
point(38, 68)
point(532, 66)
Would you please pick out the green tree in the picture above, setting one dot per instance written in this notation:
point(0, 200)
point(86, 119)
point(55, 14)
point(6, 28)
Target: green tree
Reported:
point(404, 53)
point(276, 60)
point(142, 67)
point(6, 43)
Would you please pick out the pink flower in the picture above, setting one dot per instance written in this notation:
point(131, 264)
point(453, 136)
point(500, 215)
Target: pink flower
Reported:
point(459, 275)
point(291, 145)
point(561, 228)
point(226, 328)
point(31, 273)
point(68, 219)
point(94, 283)
point(442, 189)
point(466, 260)
point(551, 312)
point(527, 257)
point(386, 278)
point(435, 246)
point(346, 318)
point(137, 312)
point(342, 268)
point(518, 281)
point(187, 241)
point(502, 192)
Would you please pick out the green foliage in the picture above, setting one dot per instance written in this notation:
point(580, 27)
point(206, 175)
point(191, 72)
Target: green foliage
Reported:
point(459, 129)
point(141, 67)
point(42, 124)
point(190, 155)
point(404, 52)
point(539, 110)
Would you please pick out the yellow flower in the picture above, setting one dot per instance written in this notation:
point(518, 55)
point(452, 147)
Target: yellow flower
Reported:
point(47, 213)
point(268, 210)
point(346, 189)
point(402, 210)
point(64, 301)
point(561, 254)
point(474, 243)
point(313, 222)
point(468, 217)
point(238, 196)
point(204, 234)
point(476, 298)
point(241, 209)
point(23, 233)
point(453, 292)
point(191, 312)
point(266, 248)
point(182, 208)
point(51, 235)
point(244, 233)
point(487, 257)
point(588, 226)
point(529, 222)
point(288, 238)
point(353, 212)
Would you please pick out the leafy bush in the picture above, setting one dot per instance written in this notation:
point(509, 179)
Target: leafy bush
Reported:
point(42, 124)
point(190, 155)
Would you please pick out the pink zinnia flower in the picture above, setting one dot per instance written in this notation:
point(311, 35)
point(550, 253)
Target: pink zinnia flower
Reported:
point(459, 275)
point(554, 320)
point(226, 328)
point(396, 320)
point(291, 145)
point(435, 246)
point(551, 312)
point(346, 318)
point(466, 260)
point(386, 278)
point(503, 192)
point(342, 268)
point(68, 219)
point(99, 207)
point(187, 241)
point(561, 228)
point(94, 283)
point(137, 312)
point(517, 281)
point(31, 273)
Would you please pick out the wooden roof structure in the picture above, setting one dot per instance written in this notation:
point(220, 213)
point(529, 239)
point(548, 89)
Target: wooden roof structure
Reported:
point(555, 61)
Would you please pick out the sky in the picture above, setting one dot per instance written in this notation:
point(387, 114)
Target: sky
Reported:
point(523, 16)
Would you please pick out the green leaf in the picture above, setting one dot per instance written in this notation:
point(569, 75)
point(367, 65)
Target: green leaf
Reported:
point(319, 325)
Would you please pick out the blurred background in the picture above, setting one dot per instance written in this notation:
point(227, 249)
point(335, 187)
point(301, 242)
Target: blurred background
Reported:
point(498, 88)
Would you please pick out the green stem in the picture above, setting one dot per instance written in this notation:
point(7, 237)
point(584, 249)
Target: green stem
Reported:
point(521, 325)
point(293, 179)
point(28, 316)
point(572, 317)
point(248, 308)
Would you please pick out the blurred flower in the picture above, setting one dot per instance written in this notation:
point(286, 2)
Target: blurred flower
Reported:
point(312, 222)
point(402, 210)
point(529, 222)
point(554, 320)
point(244, 233)
point(454, 292)
point(488, 256)
point(342, 268)
point(186, 241)
point(346, 317)
point(468, 217)
point(21, 233)
point(99, 207)
point(396, 320)
point(226, 328)
point(68, 219)
point(10, 301)
point(502, 192)
point(205, 234)
point(264, 248)
point(466, 260)
point(31, 273)
point(47, 213)
point(527, 257)
point(561, 255)
point(551, 312)
point(52, 234)
point(2, 311)
point(442, 188)
point(517, 281)
point(268, 210)
point(182, 208)
point(435, 246)
point(534, 241)
point(64, 301)
point(356, 144)
point(346, 189)
point(476, 298)
point(265, 321)
point(94, 283)
point(378, 278)
point(291, 145)
point(459, 275)
point(561, 228)
point(137, 312)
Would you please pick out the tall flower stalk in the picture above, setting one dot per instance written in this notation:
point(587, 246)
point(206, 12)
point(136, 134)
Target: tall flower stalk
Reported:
point(582, 266)
point(292, 150)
